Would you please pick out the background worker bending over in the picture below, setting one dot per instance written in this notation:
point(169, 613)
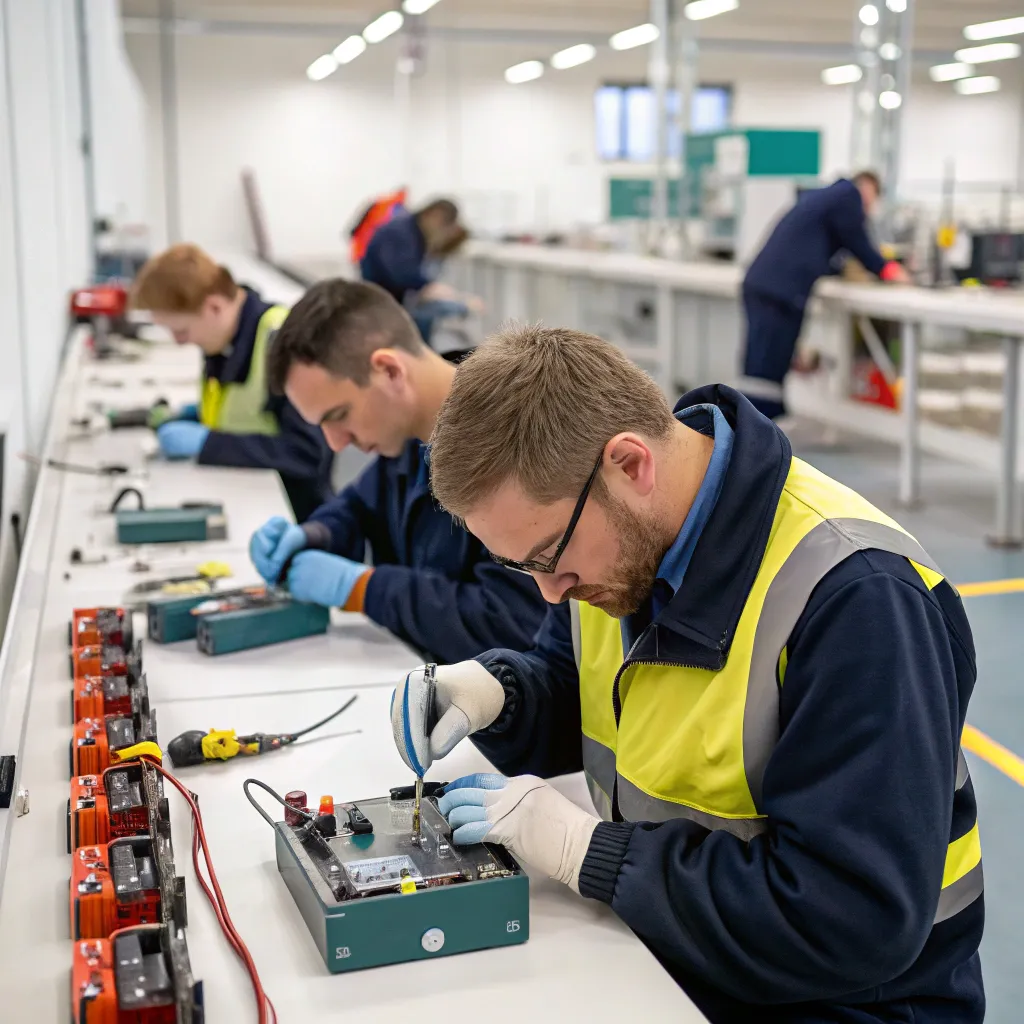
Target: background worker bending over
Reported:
point(802, 248)
point(236, 422)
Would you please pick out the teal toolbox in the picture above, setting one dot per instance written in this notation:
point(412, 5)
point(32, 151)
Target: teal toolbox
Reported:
point(171, 525)
point(225, 632)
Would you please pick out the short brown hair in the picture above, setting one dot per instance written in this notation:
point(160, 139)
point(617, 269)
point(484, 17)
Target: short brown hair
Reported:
point(871, 178)
point(338, 325)
point(537, 405)
point(180, 280)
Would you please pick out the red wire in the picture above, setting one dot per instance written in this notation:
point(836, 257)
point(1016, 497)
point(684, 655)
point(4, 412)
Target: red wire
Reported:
point(216, 897)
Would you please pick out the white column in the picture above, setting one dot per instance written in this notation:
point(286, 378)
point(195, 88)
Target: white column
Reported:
point(657, 77)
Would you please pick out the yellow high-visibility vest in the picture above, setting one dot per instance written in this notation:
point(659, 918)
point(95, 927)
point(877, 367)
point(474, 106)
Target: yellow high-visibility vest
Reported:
point(241, 408)
point(663, 741)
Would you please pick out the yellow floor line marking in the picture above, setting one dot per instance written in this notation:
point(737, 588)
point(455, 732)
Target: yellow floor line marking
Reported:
point(991, 587)
point(1006, 761)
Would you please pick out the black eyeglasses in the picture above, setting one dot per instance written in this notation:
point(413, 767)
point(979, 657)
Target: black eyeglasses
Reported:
point(549, 565)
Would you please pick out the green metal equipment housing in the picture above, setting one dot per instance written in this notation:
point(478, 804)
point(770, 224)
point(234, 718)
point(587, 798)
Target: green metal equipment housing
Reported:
point(171, 525)
point(394, 927)
point(225, 632)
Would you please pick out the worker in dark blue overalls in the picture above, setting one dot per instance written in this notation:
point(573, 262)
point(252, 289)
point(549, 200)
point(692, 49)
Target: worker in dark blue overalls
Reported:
point(405, 255)
point(802, 248)
point(236, 422)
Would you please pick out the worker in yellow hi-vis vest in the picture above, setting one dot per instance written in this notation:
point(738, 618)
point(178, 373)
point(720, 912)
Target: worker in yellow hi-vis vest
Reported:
point(763, 678)
point(236, 421)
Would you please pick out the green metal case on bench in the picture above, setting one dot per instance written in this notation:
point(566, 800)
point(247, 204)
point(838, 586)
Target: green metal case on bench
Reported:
point(169, 617)
point(171, 525)
point(397, 927)
point(225, 632)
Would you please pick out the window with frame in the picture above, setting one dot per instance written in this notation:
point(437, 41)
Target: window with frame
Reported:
point(626, 119)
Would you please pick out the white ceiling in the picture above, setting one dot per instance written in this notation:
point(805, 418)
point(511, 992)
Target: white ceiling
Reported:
point(938, 23)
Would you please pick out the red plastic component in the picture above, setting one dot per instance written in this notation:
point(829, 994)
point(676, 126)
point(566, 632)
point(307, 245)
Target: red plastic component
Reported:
point(100, 300)
point(327, 805)
point(296, 798)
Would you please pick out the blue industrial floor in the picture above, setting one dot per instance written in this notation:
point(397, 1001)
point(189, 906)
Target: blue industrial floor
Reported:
point(957, 513)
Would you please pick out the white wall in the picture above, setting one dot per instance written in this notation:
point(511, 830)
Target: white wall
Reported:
point(517, 155)
point(44, 224)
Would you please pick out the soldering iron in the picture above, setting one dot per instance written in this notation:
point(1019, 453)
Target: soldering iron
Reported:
point(198, 747)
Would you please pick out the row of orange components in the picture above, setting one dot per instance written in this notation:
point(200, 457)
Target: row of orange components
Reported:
point(109, 700)
point(127, 905)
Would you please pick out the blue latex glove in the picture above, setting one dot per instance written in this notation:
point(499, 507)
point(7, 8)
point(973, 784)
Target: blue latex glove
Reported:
point(180, 439)
point(318, 577)
point(273, 544)
point(189, 412)
point(527, 816)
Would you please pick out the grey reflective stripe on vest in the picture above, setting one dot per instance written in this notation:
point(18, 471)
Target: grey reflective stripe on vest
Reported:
point(599, 768)
point(577, 635)
point(962, 774)
point(816, 554)
point(961, 894)
point(636, 805)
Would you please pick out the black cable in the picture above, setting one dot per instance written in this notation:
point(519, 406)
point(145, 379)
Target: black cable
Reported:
point(277, 796)
point(123, 493)
point(114, 469)
point(16, 527)
point(323, 721)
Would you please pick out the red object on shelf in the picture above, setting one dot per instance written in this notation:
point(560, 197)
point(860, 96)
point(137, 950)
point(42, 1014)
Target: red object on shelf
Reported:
point(109, 300)
point(870, 386)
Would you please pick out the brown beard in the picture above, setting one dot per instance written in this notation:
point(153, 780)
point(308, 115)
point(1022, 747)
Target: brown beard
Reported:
point(640, 553)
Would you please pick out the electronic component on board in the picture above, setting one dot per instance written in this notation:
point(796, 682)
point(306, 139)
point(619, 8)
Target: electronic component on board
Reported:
point(98, 743)
point(91, 626)
point(99, 696)
point(141, 976)
point(126, 882)
point(378, 892)
point(126, 800)
point(105, 659)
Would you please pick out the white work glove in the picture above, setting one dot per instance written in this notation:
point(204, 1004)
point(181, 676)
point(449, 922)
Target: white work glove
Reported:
point(533, 821)
point(466, 698)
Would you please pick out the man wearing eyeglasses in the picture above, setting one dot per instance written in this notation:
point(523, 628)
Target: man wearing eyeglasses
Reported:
point(351, 361)
point(763, 677)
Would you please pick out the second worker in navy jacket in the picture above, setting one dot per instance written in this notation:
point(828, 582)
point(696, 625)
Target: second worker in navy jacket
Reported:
point(802, 248)
point(350, 360)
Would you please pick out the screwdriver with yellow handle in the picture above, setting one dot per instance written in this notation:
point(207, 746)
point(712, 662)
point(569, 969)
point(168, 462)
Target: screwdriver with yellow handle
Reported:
point(198, 747)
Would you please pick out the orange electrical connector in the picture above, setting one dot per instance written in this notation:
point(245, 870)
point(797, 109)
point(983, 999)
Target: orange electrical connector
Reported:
point(99, 696)
point(91, 626)
point(139, 975)
point(119, 885)
point(98, 743)
point(123, 801)
point(104, 659)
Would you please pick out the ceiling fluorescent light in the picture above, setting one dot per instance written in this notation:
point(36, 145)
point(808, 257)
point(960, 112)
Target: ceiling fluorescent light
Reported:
point(387, 24)
point(417, 6)
point(896, 6)
point(321, 68)
point(989, 52)
point(974, 86)
point(698, 10)
point(348, 49)
point(572, 56)
point(890, 100)
point(950, 72)
point(868, 14)
point(995, 29)
point(639, 35)
point(845, 74)
point(525, 72)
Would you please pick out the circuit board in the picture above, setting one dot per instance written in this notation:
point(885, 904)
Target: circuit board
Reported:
point(376, 892)
point(356, 865)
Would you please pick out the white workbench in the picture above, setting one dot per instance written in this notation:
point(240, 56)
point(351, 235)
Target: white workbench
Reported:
point(580, 963)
